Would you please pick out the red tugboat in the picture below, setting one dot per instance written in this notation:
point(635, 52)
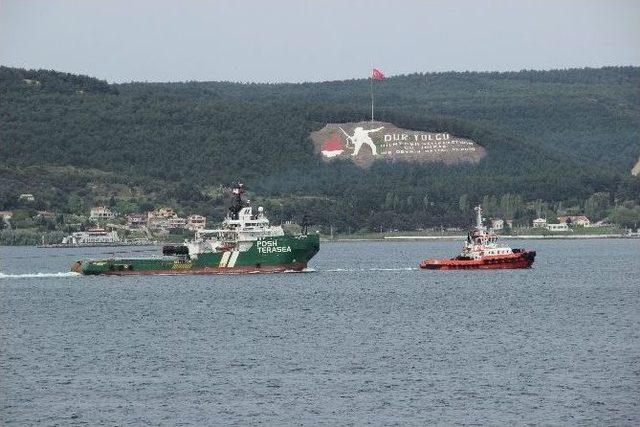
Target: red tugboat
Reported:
point(482, 251)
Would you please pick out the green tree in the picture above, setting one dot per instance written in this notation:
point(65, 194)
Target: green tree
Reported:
point(596, 206)
point(463, 203)
point(626, 217)
point(76, 205)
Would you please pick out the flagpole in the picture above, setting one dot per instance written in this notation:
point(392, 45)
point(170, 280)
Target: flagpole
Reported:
point(371, 84)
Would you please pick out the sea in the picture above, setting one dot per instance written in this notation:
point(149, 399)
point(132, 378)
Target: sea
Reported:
point(363, 337)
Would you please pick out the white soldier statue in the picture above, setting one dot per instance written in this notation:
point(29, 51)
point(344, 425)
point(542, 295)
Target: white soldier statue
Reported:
point(361, 136)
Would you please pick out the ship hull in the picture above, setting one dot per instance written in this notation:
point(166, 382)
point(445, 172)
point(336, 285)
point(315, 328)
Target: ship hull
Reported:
point(267, 255)
point(522, 259)
point(283, 268)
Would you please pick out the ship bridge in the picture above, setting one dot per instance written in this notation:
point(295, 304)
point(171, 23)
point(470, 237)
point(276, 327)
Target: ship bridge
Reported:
point(247, 219)
point(248, 227)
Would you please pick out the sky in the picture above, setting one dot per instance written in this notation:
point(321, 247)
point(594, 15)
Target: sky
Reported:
point(313, 40)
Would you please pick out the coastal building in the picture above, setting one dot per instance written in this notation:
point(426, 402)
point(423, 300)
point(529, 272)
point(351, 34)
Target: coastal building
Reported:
point(558, 227)
point(574, 220)
point(540, 223)
point(5, 216)
point(162, 213)
point(177, 222)
point(94, 236)
point(601, 223)
point(196, 222)
point(165, 219)
point(101, 213)
point(136, 220)
point(167, 223)
point(158, 224)
point(46, 215)
point(497, 224)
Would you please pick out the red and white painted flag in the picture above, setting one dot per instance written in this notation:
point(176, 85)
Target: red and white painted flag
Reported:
point(332, 147)
point(377, 74)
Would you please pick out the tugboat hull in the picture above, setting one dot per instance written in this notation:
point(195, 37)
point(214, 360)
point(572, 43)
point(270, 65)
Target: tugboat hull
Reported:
point(518, 259)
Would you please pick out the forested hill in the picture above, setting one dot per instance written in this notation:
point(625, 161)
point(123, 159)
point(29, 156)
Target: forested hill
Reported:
point(555, 136)
point(589, 114)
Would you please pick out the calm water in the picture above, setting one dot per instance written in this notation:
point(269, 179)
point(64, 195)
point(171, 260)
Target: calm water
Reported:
point(365, 339)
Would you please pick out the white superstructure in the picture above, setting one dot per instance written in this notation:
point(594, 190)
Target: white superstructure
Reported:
point(238, 232)
point(482, 242)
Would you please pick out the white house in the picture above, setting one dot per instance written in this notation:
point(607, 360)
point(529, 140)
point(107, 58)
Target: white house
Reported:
point(27, 196)
point(575, 220)
point(558, 227)
point(601, 223)
point(497, 224)
point(101, 213)
point(539, 223)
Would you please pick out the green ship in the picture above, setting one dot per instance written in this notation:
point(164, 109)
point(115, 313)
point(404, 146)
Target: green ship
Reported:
point(246, 243)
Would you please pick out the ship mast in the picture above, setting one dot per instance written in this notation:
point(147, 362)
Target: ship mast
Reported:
point(238, 204)
point(478, 210)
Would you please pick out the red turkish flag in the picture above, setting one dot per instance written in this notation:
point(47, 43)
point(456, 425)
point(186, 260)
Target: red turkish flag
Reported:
point(377, 74)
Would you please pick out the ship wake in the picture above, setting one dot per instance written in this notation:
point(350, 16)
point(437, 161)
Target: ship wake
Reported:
point(339, 270)
point(38, 275)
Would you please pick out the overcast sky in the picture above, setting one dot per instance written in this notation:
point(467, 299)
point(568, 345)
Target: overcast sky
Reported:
point(304, 40)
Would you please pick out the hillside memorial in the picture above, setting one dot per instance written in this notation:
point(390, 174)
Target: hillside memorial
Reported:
point(365, 142)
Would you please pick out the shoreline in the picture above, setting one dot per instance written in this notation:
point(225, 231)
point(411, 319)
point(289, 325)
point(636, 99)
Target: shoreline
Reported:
point(382, 239)
point(463, 237)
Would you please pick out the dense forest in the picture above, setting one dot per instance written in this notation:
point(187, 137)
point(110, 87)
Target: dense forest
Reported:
point(561, 140)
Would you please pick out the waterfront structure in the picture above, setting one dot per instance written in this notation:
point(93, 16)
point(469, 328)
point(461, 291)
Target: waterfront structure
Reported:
point(540, 223)
point(574, 220)
point(96, 237)
point(92, 237)
point(558, 227)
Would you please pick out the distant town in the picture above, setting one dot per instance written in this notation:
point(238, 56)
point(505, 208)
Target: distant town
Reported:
point(103, 224)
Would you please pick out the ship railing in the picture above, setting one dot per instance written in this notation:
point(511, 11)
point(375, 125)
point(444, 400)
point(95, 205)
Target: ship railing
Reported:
point(216, 231)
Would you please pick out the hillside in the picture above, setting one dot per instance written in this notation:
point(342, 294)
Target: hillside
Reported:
point(555, 136)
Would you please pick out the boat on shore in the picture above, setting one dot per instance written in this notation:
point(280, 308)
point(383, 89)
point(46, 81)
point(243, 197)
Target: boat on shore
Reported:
point(246, 243)
point(483, 252)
